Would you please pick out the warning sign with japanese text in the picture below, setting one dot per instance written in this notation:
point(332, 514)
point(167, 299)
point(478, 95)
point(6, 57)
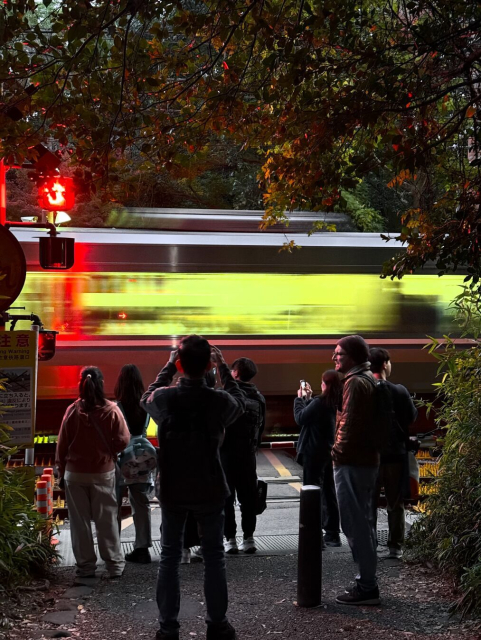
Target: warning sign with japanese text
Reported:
point(18, 372)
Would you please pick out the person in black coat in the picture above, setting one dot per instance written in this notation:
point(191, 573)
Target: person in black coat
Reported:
point(317, 419)
point(393, 467)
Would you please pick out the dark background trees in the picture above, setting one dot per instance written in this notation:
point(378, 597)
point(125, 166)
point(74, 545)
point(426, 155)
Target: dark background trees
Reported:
point(330, 93)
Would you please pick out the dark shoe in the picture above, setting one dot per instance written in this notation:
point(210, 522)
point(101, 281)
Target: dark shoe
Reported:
point(142, 556)
point(160, 635)
point(357, 597)
point(111, 576)
point(221, 632)
point(332, 540)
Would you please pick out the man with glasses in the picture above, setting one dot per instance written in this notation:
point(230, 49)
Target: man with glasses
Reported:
point(356, 464)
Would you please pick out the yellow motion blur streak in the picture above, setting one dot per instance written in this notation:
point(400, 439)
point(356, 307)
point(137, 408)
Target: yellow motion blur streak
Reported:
point(173, 304)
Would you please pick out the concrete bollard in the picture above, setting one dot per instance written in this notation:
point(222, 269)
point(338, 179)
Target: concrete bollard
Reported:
point(309, 567)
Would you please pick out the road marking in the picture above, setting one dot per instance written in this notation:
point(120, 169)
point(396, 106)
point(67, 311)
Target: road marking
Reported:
point(125, 524)
point(281, 469)
point(296, 485)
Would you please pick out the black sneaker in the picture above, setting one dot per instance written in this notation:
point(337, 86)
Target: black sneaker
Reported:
point(357, 597)
point(332, 540)
point(221, 632)
point(142, 556)
point(160, 635)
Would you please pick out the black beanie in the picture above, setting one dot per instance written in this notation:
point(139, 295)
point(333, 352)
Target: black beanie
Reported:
point(356, 348)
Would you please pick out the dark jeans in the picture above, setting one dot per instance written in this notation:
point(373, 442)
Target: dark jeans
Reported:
point(191, 533)
point(241, 475)
point(392, 477)
point(318, 471)
point(355, 493)
point(210, 520)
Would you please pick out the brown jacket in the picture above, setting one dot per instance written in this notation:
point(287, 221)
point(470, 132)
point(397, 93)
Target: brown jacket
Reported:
point(81, 448)
point(352, 444)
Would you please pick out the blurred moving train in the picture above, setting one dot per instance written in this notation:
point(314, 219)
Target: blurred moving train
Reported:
point(132, 294)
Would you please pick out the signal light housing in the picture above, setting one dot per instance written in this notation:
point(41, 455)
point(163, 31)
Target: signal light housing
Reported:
point(46, 344)
point(56, 252)
point(56, 194)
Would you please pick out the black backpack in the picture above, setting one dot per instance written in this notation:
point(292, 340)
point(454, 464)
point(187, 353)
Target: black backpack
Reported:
point(245, 430)
point(384, 421)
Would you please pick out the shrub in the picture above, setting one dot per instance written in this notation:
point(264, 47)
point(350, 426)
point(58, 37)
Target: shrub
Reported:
point(25, 549)
point(450, 531)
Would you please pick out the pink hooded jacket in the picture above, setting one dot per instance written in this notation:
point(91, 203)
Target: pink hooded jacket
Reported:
point(81, 448)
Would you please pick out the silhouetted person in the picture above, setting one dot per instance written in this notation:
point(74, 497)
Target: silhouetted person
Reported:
point(92, 433)
point(238, 457)
point(191, 419)
point(393, 467)
point(317, 419)
point(356, 464)
point(128, 392)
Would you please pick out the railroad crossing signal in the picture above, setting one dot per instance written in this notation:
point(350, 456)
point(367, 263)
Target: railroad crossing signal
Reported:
point(56, 194)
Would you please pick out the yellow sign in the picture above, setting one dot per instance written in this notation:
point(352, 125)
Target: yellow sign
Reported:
point(18, 371)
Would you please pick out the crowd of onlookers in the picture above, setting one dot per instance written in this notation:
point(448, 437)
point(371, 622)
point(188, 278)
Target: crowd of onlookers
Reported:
point(353, 440)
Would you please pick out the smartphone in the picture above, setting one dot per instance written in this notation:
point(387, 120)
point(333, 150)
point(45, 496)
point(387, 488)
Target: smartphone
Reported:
point(303, 384)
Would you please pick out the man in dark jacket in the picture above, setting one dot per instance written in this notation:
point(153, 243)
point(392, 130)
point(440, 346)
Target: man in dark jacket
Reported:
point(238, 456)
point(356, 464)
point(191, 419)
point(392, 470)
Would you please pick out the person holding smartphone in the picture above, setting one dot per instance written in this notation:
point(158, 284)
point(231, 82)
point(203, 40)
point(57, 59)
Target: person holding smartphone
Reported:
point(192, 419)
point(317, 419)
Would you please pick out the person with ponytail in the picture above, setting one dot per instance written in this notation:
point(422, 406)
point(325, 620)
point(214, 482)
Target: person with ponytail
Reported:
point(128, 391)
point(317, 419)
point(92, 434)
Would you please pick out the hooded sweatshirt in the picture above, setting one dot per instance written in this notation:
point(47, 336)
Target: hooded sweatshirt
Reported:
point(81, 448)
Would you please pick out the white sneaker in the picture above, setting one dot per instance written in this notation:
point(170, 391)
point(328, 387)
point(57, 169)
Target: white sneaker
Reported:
point(197, 555)
point(394, 554)
point(231, 547)
point(185, 556)
point(248, 545)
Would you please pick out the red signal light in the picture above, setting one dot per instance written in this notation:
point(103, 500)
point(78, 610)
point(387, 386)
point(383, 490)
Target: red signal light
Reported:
point(122, 315)
point(46, 344)
point(56, 194)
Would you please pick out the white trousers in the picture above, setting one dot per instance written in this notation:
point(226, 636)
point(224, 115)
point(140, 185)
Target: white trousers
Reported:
point(91, 496)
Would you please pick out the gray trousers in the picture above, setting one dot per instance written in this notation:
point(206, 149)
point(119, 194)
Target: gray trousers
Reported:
point(141, 514)
point(91, 496)
point(355, 487)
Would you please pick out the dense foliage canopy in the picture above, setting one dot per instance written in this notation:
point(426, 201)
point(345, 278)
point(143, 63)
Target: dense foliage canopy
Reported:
point(331, 91)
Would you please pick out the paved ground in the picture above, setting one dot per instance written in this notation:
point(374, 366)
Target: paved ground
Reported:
point(262, 592)
point(277, 527)
point(262, 589)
